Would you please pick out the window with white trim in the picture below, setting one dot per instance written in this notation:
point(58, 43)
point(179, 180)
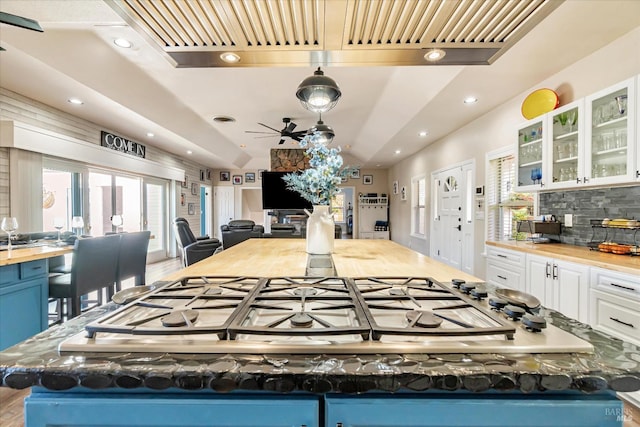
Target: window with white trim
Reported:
point(504, 205)
point(419, 206)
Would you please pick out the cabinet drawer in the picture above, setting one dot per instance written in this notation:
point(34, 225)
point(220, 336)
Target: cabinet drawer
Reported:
point(615, 315)
point(513, 258)
point(9, 274)
point(501, 276)
point(625, 285)
point(33, 269)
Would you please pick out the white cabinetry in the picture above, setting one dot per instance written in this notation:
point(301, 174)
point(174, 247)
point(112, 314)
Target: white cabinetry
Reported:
point(505, 268)
point(615, 304)
point(373, 217)
point(591, 141)
point(559, 285)
point(610, 133)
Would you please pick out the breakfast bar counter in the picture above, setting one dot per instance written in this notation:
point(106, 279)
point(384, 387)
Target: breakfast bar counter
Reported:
point(321, 389)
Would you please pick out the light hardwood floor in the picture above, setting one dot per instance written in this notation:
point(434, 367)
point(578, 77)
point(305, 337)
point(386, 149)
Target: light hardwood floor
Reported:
point(11, 401)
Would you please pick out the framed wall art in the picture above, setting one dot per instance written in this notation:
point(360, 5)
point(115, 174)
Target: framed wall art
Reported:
point(355, 174)
point(367, 179)
point(260, 173)
point(395, 187)
point(249, 177)
point(403, 193)
point(191, 210)
point(184, 183)
point(183, 198)
point(225, 176)
point(202, 174)
point(208, 174)
point(237, 179)
point(194, 188)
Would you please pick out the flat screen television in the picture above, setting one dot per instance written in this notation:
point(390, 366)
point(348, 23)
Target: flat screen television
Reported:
point(276, 195)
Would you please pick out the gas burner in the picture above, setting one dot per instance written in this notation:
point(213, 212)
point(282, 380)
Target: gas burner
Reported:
point(479, 293)
point(179, 318)
point(305, 292)
point(423, 319)
point(514, 312)
point(301, 320)
point(497, 304)
point(534, 323)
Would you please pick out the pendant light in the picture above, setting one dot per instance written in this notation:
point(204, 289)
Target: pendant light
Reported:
point(324, 133)
point(318, 93)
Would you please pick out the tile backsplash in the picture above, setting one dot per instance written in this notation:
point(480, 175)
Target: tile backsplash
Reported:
point(584, 205)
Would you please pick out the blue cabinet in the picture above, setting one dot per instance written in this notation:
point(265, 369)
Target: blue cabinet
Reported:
point(24, 292)
point(464, 410)
point(170, 410)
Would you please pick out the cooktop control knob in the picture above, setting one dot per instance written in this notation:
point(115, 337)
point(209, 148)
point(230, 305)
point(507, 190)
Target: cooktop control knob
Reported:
point(534, 323)
point(514, 312)
point(457, 282)
point(497, 303)
point(467, 287)
point(479, 293)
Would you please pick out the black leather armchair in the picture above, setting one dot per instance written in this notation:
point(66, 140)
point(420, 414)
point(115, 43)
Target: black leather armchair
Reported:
point(191, 248)
point(284, 230)
point(238, 231)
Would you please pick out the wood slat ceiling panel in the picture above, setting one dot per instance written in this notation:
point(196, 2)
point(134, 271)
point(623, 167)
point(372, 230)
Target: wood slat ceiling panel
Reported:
point(263, 26)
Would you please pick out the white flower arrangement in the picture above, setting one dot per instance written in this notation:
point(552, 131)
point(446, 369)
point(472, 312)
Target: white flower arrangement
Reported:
point(319, 183)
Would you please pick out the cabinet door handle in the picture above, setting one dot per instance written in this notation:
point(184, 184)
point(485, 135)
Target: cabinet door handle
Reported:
point(36, 268)
point(501, 277)
point(555, 271)
point(501, 256)
point(626, 288)
point(548, 270)
point(621, 322)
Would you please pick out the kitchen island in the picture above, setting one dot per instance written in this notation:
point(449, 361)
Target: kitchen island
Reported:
point(385, 389)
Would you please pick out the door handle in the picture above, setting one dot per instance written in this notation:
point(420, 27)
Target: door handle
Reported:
point(621, 322)
point(459, 227)
point(555, 271)
point(547, 270)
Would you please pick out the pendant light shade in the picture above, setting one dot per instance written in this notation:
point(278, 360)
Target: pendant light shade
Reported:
point(323, 133)
point(318, 93)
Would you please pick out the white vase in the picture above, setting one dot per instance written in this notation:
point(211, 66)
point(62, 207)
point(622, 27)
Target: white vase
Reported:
point(320, 230)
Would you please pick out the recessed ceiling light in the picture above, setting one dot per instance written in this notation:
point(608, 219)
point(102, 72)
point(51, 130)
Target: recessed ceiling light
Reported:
point(243, 145)
point(230, 57)
point(435, 55)
point(150, 134)
point(397, 151)
point(224, 119)
point(423, 133)
point(470, 100)
point(189, 152)
point(75, 101)
point(124, 43)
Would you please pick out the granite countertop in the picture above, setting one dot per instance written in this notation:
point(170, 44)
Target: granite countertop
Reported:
point(615, 365)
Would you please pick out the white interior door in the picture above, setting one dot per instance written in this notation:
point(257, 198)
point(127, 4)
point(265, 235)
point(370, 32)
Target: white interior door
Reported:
point(447, 236)
point(223, 205)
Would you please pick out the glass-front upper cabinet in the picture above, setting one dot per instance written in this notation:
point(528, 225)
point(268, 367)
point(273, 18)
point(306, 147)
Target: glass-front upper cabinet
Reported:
point(610, 156)
point(529, 172)
point(566, 145)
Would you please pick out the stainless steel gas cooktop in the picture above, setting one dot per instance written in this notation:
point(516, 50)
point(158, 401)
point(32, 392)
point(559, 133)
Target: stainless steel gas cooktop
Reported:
point(327, 315)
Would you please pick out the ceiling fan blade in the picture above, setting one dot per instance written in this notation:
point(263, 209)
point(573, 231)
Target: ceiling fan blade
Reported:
point(20, 21)
point(269, 127)
point(266, 136)
point(281, 141)
point(290, 127)
point(255, 131)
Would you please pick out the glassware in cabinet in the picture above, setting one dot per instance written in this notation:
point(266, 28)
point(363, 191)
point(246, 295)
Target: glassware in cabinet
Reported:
point(566, 145)
point(611, 133)
point(530, 155)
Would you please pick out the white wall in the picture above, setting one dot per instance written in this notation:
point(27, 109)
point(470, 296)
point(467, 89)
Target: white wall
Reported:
point(498, 128)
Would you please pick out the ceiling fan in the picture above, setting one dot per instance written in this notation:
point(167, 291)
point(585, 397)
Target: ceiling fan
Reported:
point(286, 132)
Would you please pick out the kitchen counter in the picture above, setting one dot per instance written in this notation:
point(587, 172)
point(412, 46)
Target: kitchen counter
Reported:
point(614, 365)
point(20, 255)
point(578, 254)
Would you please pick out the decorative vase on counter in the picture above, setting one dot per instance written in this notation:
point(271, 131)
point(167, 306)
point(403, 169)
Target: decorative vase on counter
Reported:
point(320, 230)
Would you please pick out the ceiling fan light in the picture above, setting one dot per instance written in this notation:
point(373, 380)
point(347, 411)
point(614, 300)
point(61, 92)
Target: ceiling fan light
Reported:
point(324, 133)
point(318, 93)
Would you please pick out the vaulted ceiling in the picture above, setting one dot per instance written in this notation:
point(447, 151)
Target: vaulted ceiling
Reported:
point(172, 81)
